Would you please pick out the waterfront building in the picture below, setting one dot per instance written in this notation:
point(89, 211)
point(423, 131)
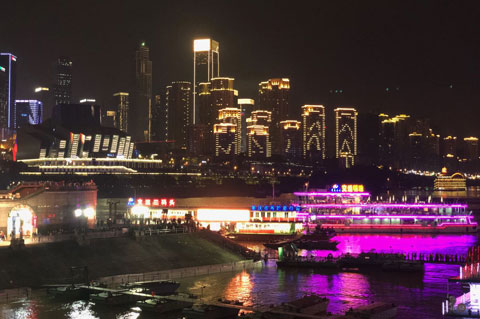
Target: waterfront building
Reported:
point(225, 139)
point(121, 109)
point(109, 116)
point(63, 83)
point(27, 112)
point(346, 135)
point(206, 65)
point(273, 96)
point(246, 106)
point(139, 112)
point(45, 95)
point(178, 104)
point(32, 206)
point(313, 137)
point(291, 139)
point(258, 141)
point(8, 80)
point(74, 132)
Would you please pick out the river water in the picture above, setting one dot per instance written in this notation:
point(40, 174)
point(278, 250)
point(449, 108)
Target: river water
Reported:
point(416, 296)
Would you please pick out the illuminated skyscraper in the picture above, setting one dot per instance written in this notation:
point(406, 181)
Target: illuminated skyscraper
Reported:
point(27, 112)
point(225, 139)
point(8, 76)
point(222, 94)
point(291, 138)
point(45, 95)
point(178, 99)
point(159, 119)
point(232, 116)
point(206, 66)
point(313, 118)
point(471, 148)
point(63, 85)
point(138, 123)
point(246, 106)
point(122, 109)
point(260, 117)
point(273, 96)
point(346, 135)
point(259, 145)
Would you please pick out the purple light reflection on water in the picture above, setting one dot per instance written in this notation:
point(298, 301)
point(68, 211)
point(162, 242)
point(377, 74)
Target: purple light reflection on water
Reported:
point(355, 244)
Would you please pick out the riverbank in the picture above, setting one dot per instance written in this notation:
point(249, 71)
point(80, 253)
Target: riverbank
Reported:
point(41, 264)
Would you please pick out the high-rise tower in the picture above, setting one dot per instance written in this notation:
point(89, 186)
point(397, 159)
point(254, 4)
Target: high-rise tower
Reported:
point(206, 65)
point(8, 66)
point(138, 123)
point(314, 146)
point(122, 110)
point(178, 103)
point(346, 135)
point(63, 83)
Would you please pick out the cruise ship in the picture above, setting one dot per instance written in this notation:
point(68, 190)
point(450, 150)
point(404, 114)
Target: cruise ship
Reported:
point(348, 209)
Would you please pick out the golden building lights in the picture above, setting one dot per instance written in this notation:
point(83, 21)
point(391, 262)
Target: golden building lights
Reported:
point(346, 135)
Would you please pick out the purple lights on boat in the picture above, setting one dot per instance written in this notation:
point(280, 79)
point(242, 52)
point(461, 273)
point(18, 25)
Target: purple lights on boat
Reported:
point(384, 205)
point(391, 216)
point(362, 194)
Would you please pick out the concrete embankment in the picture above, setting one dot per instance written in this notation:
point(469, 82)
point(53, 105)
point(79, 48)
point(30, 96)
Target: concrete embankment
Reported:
point(51, 263)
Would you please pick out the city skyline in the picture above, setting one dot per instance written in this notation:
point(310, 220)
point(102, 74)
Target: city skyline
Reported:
point(338, 66)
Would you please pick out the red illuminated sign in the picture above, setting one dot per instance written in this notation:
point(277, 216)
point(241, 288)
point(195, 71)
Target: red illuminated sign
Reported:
point(161, 202)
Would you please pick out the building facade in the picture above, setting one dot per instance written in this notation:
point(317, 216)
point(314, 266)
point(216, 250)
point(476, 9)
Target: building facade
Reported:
point(346, 135)
point(313, 132)
point(63, 83)
point(258, 141)
point(232, 116)
point(225, 139)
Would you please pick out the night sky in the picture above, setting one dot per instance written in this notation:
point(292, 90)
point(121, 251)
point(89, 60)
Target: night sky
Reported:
point(427, 53)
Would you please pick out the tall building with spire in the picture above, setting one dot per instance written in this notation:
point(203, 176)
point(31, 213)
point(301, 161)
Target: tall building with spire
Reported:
point(141, 108)
point(8, 72)
point(63, 81)
point(346, 135)
point(206, 65)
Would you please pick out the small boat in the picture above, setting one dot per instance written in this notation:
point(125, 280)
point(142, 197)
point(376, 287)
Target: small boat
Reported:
point(70, 292)
point(376, 310)
point(158, 305)
point(158, 287)
point(307, 305)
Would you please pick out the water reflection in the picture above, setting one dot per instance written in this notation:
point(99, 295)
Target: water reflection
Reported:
point(417, 296)
point(240, 288)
